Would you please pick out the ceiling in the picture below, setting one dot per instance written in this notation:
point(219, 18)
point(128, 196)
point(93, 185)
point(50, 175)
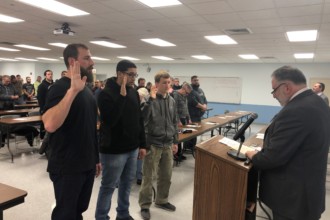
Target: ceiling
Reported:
point(125, 22)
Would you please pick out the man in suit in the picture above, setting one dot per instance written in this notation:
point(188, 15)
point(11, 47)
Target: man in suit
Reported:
point(293, 162)
point(318, 88)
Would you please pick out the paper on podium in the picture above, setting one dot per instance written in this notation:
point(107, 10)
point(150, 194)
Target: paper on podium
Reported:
point(260, 136)
point(235, 145)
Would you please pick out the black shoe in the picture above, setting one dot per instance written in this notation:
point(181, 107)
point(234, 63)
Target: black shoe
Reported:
point(183, 157)
point(145, 213)
point(167, 206)
point(138, 181)
point(127, 218)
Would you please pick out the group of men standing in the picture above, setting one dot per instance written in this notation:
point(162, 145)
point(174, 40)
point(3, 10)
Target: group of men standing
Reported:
point(128, 133)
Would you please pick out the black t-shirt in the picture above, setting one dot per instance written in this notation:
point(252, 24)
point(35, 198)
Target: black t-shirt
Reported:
point(28, 87)
point(74, 144)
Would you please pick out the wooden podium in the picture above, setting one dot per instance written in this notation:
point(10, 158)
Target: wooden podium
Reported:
point(220, 187)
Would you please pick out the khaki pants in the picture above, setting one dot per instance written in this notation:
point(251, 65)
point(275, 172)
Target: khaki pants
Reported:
point(157, 163)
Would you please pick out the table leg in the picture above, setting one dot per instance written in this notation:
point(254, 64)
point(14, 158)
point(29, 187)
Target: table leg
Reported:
point(8, 137)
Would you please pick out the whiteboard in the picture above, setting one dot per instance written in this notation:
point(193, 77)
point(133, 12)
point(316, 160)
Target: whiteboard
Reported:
point(219, 89)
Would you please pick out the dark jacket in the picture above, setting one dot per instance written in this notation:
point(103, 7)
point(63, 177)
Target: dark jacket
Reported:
point(42, 94)
point(293, 162)
point(121, 127)
point(6, 103)
point(161, 121)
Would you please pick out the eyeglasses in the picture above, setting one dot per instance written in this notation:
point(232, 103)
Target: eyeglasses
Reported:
point(277, 88)
point(132, 75)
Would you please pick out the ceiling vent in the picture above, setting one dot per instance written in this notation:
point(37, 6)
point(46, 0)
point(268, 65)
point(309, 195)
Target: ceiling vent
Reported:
point(238, 31)
point(7, 43)
point(178, 58)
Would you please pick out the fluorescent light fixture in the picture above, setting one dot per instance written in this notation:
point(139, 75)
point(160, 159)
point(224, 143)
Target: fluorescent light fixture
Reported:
point(162, 58)
point(25, 59)
point(220, 39)
point(202, 57)
point(128, 58)
point(7, 59)
point(248, 56)
point(160, 3)
point(99, 58)
point(8, 19)
point(55, 7)
point(58, 44)
point(45, 58)
point(301, 36)
point(8, 49)
point(304, 55)
point(107, 44)
point(158, 42)
point(30, 47)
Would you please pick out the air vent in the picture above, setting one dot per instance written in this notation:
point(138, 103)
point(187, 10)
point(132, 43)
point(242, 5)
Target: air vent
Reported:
point(179, 58)
point(238, 31)
point(268, 58)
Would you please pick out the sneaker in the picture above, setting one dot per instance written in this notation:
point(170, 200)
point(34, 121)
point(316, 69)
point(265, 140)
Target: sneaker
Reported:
point(138, 181)
point(167, 206)
point(127, 218)
point(145, 213)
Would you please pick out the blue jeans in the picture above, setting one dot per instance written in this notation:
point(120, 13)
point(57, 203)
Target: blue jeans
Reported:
point(117, 169)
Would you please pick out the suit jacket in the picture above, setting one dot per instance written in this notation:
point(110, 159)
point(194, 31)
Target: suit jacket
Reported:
point(293, 162)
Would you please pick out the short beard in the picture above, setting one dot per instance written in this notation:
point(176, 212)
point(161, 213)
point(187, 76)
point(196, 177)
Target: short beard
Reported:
point(88, 74)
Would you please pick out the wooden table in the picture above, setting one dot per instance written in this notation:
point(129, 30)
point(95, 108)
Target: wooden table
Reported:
point(212, 123)
point(9, 197)
point(34, 105)
point(7, 123)
point(22, 112)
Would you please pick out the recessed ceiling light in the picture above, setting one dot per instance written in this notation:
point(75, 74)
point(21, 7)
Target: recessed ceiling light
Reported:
point(100, 58)
point(107, 44)
point(58, 44)
point(221, 39)
point(8, 49)
point(25, 59)
point(9, 19)
point(160, 3)
point(158, 42)
point(128, 58)
point(162, 58)
point(300, 36)
point(55, 7)
point(30, 47)
point(45, 58)
point(248, 56)
point(202, 57)
point(304, 55)
point(7, 59)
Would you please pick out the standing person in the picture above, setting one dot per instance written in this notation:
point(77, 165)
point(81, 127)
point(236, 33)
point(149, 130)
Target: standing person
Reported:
point(70, 118)
point(42, 94)
point(28, 89)
point(176, 84)
point(318, 88)
point(36, 85)
point(18, 87)
point(141, 83)
point(197, 105)
point(180, 97)
point(162, 139)
point(293, 161)
point(122, 140)
point(8, 94)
